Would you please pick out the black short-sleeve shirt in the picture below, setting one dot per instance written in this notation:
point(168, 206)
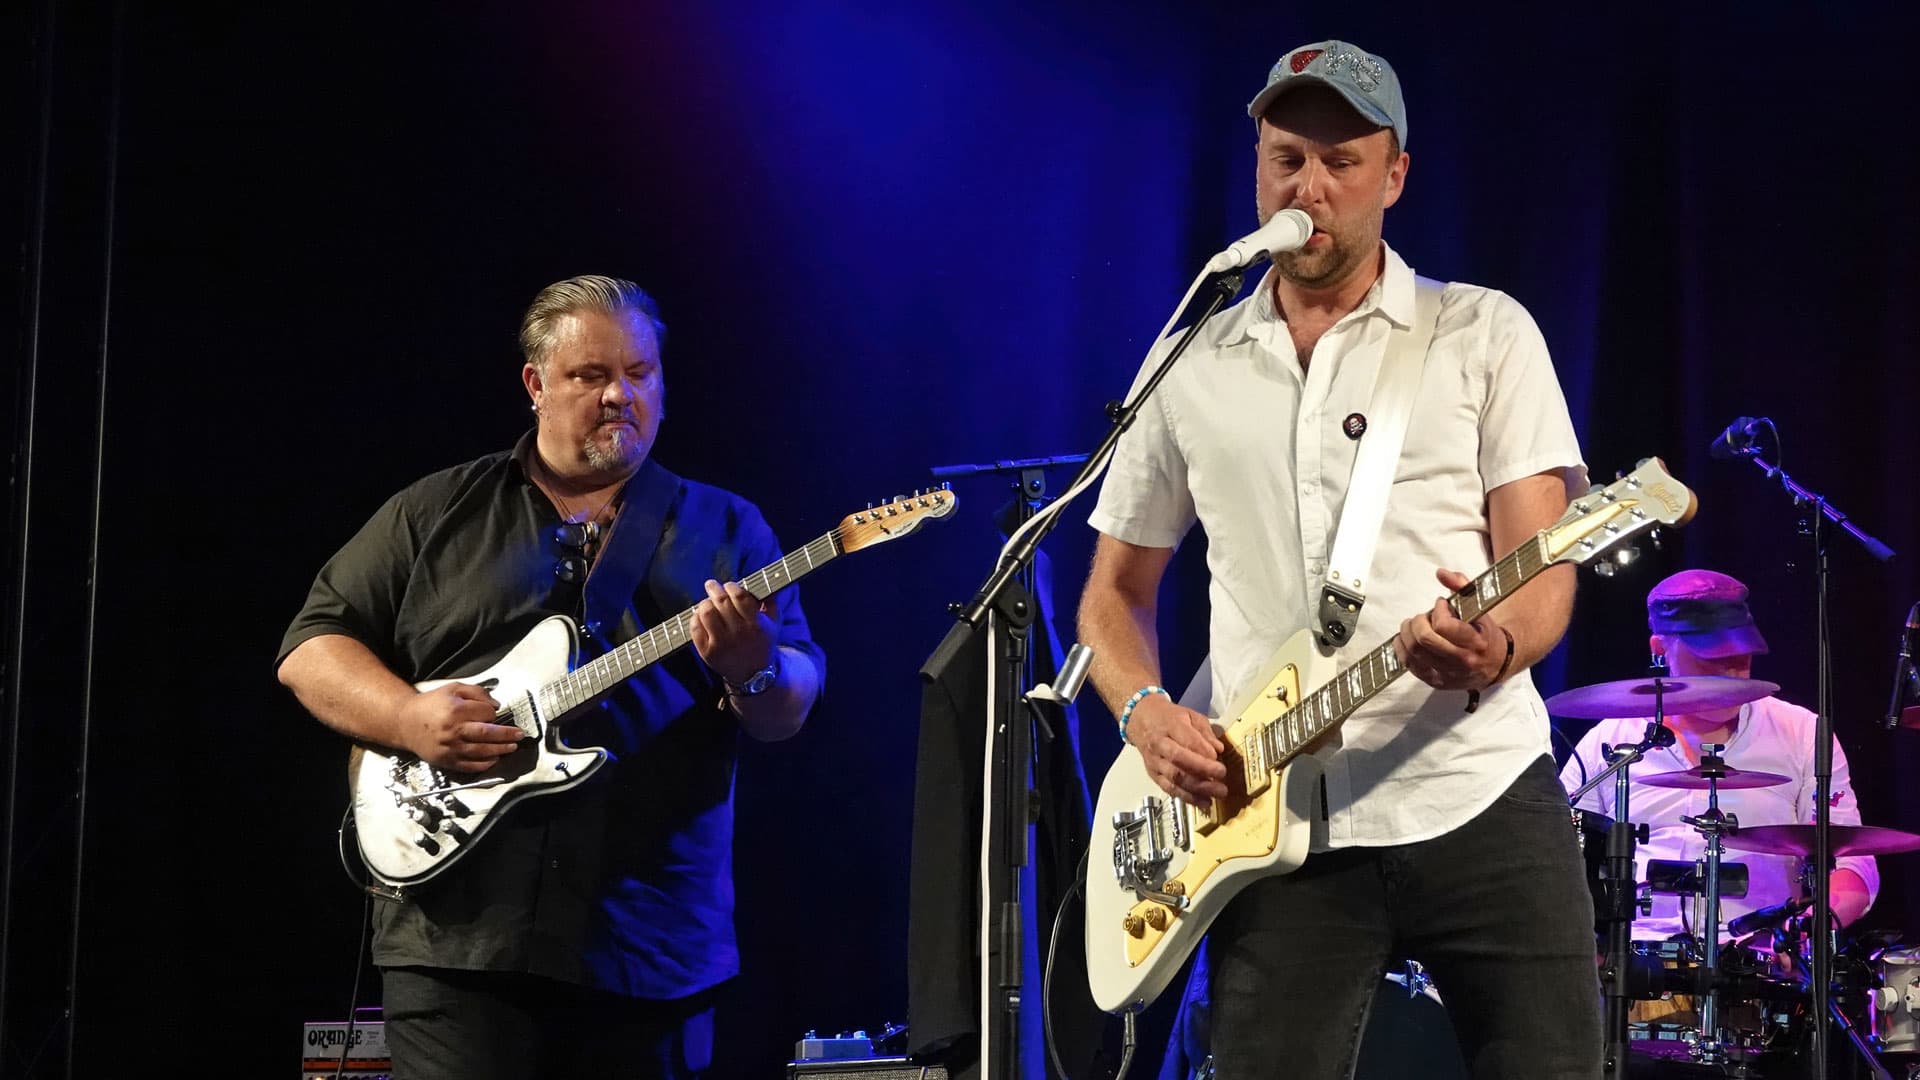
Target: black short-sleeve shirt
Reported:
point(624, 883)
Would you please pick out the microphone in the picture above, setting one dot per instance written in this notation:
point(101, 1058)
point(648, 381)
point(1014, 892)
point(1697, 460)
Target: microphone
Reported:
point(1903, 668)
point(1287, 230)
point(1737, 440)
point(1766, 917)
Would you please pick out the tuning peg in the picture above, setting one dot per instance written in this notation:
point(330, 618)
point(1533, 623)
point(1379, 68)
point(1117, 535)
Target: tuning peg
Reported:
point(1604, 568)
point(1655, 539)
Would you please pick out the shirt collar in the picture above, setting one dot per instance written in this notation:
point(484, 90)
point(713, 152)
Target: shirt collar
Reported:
point(523, 451)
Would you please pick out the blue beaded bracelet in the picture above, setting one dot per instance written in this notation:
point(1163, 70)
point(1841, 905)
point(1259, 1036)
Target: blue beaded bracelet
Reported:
point(1126, 711)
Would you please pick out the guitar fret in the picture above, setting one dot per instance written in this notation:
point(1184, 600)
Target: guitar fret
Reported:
point(1324, 708)
point(582, 685)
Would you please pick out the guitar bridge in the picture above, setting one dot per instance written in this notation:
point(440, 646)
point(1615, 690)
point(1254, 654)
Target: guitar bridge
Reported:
point(1144, 844)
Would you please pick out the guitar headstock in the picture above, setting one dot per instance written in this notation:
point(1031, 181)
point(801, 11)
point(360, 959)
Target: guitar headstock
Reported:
point(895, 518)
point(1609, 517)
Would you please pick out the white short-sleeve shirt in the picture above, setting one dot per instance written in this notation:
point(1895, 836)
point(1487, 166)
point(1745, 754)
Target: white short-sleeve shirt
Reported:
point(1771, 736)
point(1240, 440)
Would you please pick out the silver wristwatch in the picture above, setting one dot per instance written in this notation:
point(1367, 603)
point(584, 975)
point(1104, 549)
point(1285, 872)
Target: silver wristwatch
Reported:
point(759, 682)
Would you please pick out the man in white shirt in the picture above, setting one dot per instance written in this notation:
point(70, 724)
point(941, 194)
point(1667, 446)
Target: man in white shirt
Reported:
point(1447, 833)
point(1700, 622)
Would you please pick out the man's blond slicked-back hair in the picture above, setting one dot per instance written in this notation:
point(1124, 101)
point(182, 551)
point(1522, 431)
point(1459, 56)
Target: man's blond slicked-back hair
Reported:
point(588, 292)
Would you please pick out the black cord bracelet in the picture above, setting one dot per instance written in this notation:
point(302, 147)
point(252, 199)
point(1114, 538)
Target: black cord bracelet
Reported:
point(1473, 696)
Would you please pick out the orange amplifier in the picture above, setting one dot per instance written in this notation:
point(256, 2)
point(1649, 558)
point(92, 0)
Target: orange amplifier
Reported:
point(367, 1057)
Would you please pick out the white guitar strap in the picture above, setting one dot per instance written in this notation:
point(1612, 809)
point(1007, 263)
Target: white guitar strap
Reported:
point(1394, 388)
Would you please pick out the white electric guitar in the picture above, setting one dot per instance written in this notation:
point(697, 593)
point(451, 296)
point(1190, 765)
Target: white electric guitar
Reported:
point(1174, 867)
point(414, 820)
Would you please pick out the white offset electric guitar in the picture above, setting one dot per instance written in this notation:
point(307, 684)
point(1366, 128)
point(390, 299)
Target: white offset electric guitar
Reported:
point(414, 820)
point(1174, 867)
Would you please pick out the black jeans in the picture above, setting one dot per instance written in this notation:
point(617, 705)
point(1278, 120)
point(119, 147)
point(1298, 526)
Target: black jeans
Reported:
point(493, 1025)
point(1497, 910)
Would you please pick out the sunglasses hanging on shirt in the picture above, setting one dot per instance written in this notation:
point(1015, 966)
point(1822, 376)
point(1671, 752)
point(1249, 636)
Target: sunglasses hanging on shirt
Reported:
point(579, 541)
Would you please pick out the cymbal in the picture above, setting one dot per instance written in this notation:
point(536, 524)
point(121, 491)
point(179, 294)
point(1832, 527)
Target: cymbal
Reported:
point(1629, 698)
point(1846, 840)
point(1695, 780)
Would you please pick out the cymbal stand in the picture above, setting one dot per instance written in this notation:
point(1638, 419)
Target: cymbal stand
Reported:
point(1713, 825)
point(1622, 892)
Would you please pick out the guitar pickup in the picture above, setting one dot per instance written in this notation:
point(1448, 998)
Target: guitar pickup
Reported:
point(525, 716)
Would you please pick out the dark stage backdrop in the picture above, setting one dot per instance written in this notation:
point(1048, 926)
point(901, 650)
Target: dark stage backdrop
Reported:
point(885, 237)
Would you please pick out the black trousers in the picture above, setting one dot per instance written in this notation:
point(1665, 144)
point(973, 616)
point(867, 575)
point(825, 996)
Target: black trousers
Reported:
point(492, 1025)
point(1497, 910)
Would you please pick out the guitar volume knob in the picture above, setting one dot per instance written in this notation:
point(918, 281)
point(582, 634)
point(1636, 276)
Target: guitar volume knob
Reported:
point(1157, 917)
point(1134, 925)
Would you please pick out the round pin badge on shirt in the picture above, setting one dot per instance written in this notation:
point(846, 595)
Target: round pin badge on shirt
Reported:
point(1354, 425)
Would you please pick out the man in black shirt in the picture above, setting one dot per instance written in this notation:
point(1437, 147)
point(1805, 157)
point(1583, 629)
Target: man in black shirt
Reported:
point(584, 935)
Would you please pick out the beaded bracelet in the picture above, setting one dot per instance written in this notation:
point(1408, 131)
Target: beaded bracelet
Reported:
point(1126, 711)
point(1473, 696)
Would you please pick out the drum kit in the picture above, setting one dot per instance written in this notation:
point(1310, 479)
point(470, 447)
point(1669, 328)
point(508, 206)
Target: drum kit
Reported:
point(1691, 1006)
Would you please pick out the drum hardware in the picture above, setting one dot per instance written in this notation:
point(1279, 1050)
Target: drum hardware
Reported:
point(1675, 877)
point(1590, 831)
point(1868, 1044)
point(1761, 1014)
point(1895, 1002)
point(1713, 825)
point(1622, 894)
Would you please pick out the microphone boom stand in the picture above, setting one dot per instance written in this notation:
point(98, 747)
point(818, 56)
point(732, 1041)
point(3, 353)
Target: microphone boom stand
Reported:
point(1002, 605)
point(1821, 976)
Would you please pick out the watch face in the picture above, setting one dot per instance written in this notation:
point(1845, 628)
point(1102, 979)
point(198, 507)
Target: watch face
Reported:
point(762, 679)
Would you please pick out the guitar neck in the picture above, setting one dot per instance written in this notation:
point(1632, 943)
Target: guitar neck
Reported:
point(590, 681)
point(1327, 708)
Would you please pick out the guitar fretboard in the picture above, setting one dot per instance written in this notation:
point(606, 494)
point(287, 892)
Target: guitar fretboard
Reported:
point(589, 681)
point(1324, 709)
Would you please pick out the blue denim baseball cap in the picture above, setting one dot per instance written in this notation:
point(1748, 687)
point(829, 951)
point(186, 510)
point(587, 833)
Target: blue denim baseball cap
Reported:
point(1366, 81)
point(1707, 610)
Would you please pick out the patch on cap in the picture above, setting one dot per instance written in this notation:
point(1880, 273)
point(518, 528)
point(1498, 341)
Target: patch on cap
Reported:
point(1366, 82)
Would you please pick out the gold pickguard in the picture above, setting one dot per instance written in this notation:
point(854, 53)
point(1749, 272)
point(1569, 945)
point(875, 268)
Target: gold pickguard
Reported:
point(1244, 825)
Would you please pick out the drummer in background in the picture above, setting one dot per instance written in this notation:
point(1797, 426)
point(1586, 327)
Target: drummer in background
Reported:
point(1701, 624)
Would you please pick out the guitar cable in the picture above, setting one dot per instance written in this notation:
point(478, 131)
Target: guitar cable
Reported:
point(1046, 986)
point(360, 952)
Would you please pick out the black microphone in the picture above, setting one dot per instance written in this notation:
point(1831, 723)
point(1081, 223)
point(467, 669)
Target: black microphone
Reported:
point(1903, 669)
point(1766, 917)
point(1737, 440)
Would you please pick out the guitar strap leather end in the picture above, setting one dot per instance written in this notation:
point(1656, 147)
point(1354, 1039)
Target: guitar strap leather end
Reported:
point(1339, 615)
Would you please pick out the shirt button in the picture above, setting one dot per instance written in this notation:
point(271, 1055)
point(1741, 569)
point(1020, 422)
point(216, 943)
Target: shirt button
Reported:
point(553, 864)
